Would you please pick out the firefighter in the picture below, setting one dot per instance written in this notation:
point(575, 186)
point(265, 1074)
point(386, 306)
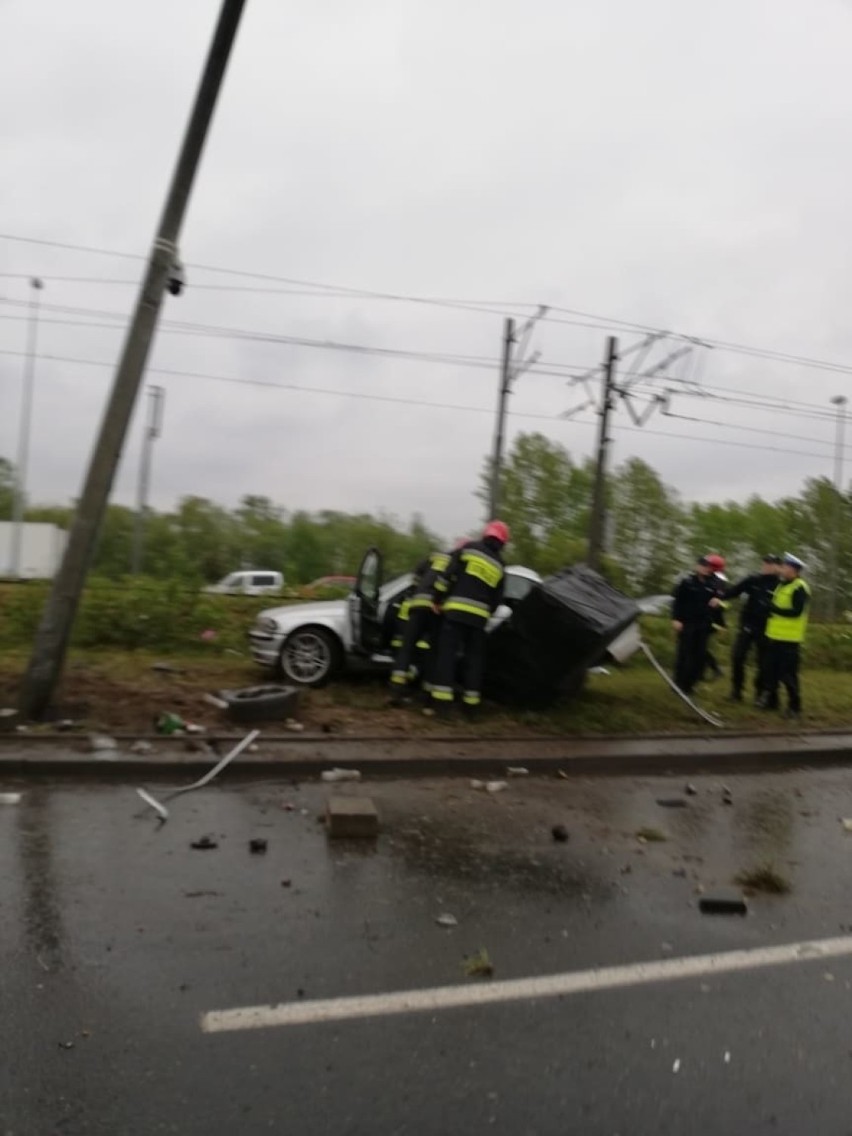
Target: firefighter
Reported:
point(692, 619)
point(415, 640)
point(785, 633)
point(758, 590)
point(717, 619)
point(467, 594)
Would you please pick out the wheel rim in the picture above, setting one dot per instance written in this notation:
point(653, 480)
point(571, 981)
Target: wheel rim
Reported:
point(306, 657)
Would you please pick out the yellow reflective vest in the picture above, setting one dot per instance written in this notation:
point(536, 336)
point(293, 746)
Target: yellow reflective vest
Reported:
point(788, 628)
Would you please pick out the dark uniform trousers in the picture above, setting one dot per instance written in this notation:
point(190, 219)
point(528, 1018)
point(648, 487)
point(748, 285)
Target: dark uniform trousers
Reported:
point(418, 647)
point(747, 638)
point(691, 654)
point(782, 669)
point(457, 637)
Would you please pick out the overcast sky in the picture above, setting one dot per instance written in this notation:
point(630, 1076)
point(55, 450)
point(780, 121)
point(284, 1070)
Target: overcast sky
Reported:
point(671, 163)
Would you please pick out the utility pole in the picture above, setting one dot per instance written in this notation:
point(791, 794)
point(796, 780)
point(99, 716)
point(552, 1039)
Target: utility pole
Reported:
point(502, 400)
point(840, 402)
point(51, 640)
point(153, 429)
point(597, 520)
point(509, 371)
point(23, 459)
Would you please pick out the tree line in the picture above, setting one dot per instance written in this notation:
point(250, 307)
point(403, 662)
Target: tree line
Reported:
point(652, 534)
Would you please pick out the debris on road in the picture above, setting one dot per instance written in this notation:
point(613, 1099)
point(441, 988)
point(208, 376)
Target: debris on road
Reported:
point(10, 798)
point(161, 810)
point(765, 878)
point(447, 920)
point(559, 833)
point(293, 726)
point(479, 965)
point(340, 775)
point(141, 747)
point(651, 836)
point(65, 1044)
point(215, 700)
point(351, 817)
point(286, 883)
point(169, 724)
point(517, 771)
point(258, 845)
point(723, 901)
point(204, 843)
point(676, 1066)
point(727, 796)
point(727, 1057)
point(672, 803)
point(847, 823)
point(202, 781)
point(102, 743)
point(496, 786)
point(691, 791)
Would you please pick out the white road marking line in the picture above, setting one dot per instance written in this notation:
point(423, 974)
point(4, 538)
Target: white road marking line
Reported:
point(519, 989)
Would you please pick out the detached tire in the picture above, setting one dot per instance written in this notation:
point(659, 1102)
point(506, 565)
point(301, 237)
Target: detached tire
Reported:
point(261, 703)
point(311, 656)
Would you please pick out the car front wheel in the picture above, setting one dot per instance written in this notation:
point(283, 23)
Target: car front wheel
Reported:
point(310, 656)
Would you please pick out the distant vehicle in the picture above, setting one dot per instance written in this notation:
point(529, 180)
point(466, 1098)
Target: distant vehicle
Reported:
point(331, 582)
point(254, 583)
point(42, 548)
point(310, 643)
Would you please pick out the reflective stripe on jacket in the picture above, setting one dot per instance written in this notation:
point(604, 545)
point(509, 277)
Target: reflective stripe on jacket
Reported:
point(472, 583)
point(789, 628)
point(433, 571)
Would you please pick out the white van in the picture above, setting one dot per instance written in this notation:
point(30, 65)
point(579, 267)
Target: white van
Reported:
point(257, 582)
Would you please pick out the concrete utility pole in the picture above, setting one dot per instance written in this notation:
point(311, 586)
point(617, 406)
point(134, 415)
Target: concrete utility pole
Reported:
point(840, 402)
point(597, 520)
point(510, 369)
point(51, 641)
point(500, 432)
point(153, 429)
point(25, 430)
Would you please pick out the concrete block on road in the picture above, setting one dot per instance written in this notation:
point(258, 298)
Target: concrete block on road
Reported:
point(351, 817)
point(723, 901)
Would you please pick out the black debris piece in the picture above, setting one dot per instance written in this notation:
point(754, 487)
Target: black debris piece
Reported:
point(204, 843)
point(559, 833)
point(554, 635)
point(723, 901)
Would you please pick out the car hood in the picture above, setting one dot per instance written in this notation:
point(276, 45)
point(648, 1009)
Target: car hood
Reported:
point(292, 614)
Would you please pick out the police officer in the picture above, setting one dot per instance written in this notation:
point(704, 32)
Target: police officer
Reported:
point(692, 619)
point(758, 590)
point(785, 633)
point(467, 593)
point(417, 625)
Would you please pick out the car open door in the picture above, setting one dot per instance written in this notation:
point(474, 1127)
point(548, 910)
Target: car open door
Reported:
point(364, 603)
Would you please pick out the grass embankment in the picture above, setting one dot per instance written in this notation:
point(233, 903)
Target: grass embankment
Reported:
point(121, 691)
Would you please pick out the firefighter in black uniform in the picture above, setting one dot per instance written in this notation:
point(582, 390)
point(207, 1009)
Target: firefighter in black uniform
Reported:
point(468, 593)
point(758, 590)
point(692, 619)
point(416, 628)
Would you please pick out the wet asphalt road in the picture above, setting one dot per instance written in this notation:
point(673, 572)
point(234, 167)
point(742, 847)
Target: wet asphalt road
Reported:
point(117, 937)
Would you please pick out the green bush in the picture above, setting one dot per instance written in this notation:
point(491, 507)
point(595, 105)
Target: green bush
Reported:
point(135, 615)
point(828, 645)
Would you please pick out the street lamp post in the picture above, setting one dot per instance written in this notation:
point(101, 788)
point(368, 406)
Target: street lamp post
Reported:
point(840, 402)
point(27, 393)
point(153, 429)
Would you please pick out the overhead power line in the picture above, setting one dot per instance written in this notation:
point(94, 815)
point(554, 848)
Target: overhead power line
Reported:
point(423, 403)
point(499, 308)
